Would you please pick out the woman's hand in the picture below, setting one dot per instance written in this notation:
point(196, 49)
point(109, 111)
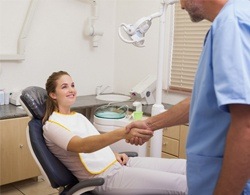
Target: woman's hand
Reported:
point(121, 158)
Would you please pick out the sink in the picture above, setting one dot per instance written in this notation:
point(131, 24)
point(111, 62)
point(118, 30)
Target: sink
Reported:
point(113, 97)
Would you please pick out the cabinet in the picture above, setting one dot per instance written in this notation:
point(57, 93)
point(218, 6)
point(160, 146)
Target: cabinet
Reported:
point(16, 161)
point(174, 142)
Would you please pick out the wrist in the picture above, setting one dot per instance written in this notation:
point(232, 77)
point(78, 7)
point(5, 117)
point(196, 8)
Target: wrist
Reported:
point(150, 124)
point(126, 135)
point(123, 133)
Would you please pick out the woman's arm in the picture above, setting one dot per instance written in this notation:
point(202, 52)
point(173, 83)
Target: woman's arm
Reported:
point(97, 142)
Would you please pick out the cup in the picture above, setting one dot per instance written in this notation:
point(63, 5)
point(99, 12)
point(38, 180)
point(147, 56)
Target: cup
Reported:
point(6, 97)
point(137, 115)
point(1, 97)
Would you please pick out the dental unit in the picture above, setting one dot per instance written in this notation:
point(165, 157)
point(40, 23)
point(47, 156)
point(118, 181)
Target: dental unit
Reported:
point(111, 116)
point(135, 35)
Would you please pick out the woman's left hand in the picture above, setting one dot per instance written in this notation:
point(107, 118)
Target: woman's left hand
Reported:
point(122, 158)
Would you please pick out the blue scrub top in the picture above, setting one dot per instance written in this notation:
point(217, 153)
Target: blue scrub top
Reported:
point(222, 78)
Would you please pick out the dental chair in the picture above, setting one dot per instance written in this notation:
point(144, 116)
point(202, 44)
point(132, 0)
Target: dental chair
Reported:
point(53, 171)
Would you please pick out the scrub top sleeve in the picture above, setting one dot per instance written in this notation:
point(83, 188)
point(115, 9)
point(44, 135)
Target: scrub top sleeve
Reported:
point(231, 64)
point(57, 134)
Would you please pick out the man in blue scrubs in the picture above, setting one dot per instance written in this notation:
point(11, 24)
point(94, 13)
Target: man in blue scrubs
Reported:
point(218, 145)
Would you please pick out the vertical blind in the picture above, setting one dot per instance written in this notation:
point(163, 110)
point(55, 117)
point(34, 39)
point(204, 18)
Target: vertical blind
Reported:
point(187, 46)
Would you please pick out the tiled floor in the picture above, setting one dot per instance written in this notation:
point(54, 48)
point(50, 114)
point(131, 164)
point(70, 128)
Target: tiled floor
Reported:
point(28, 187)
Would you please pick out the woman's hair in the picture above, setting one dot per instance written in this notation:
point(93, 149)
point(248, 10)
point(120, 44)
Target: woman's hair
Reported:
point(51, 105)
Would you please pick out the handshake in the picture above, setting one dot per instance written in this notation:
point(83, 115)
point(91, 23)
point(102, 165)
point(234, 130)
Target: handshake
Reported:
point(138, 132)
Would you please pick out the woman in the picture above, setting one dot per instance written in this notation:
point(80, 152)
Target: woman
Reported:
point(86, 152)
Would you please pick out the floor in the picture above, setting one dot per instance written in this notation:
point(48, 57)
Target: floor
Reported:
point(28, 187)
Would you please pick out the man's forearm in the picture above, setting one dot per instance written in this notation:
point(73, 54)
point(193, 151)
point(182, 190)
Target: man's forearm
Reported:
point(235, 169)
point(176, 115)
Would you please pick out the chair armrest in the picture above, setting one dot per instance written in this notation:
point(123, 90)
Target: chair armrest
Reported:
point(85, 186)
point(131, 154)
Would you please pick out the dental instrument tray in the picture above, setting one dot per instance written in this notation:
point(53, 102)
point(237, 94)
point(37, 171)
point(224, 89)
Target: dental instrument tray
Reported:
point(111, 111)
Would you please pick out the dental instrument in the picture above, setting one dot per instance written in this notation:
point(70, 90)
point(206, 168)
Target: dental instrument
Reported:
point(145, 89)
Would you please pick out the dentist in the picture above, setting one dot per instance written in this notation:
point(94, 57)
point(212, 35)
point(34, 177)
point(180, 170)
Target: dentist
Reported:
point(218, 145)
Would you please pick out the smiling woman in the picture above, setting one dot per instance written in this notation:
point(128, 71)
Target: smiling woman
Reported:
point(61, 82)
point(64, 95)
point(87, 154)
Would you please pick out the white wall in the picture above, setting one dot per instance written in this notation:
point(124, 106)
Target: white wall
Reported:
point(56, 41)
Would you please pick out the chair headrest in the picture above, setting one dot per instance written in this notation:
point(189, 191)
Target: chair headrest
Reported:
point(34, 98)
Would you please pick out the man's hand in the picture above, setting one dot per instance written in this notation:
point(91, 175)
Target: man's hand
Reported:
point(141, 124)
point(140, 131)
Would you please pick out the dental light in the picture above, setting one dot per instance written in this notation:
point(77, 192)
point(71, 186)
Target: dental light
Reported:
point(135, 35)
point(136, 32)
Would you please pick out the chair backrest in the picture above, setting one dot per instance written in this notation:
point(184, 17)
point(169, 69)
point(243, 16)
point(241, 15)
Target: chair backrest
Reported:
point(33, 98)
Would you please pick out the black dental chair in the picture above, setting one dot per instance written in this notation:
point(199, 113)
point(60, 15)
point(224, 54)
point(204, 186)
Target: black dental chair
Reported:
point(53, 171)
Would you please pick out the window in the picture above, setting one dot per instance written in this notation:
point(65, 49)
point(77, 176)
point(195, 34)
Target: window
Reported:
point(187, 46)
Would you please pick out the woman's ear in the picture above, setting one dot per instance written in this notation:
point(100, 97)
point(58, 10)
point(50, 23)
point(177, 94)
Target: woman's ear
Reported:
point(52, 95)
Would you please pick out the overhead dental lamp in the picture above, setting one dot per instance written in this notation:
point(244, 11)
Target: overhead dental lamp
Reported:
point(136, 32)
point(135, 35)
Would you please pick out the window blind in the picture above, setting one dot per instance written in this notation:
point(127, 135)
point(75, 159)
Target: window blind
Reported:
point(187, 46)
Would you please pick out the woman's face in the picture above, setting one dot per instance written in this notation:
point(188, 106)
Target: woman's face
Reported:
point(65, 93)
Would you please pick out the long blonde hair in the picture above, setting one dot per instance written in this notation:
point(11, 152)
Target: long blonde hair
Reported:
point(51, 105)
